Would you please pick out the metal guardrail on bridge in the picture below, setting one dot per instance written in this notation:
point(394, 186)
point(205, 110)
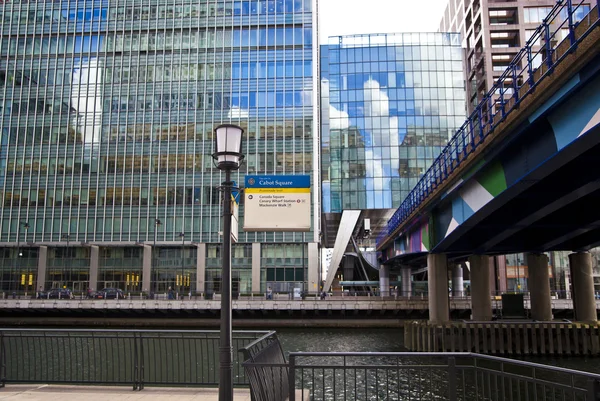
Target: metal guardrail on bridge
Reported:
point(541, 54)
point(342, 304)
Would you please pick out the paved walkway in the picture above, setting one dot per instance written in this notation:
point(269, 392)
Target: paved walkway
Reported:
point(43, 392)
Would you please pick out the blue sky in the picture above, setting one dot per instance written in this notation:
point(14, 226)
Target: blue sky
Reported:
point(345, 17)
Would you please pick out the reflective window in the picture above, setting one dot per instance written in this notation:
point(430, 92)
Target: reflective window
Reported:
point(391, 110)
point(112, 114)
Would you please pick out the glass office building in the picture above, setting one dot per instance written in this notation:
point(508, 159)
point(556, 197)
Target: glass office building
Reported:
point(390, 102)
point(107, 111)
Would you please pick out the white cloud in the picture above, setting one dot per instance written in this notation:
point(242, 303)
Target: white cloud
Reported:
point(384, 132)
point(236, 112)
point(86, 100)
point(338, 119)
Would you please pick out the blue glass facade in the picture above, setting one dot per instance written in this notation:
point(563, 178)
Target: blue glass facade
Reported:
point(107, 110)
point(389, 104)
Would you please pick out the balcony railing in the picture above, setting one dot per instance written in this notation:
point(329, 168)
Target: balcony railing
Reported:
point(537, 63)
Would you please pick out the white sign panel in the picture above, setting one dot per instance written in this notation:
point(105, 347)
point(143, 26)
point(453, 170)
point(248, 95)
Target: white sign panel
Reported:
point(234, 218)
point(277, 203)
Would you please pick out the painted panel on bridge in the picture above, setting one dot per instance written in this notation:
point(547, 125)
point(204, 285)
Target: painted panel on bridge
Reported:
point(277, 203)
point(557, 130)
point(482, 184)
point(416, 240)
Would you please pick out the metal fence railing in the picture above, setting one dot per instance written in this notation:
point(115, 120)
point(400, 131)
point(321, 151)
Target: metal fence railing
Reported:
point(423, 376)
point(567, 24)
point(118, 357)
point(270, 380)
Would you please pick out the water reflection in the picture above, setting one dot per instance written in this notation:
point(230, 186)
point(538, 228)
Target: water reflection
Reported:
point(341, 340)
point(392, 340)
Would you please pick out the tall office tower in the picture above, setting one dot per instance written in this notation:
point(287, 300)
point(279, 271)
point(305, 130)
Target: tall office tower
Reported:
point(389, 105)
point(493, 32)
point(107, 112)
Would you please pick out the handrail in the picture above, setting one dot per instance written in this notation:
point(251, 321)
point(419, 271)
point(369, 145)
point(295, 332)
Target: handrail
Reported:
point(134, 358)
point(423, 355)
point(409, 375)
point(106, 331)
point(539, 58)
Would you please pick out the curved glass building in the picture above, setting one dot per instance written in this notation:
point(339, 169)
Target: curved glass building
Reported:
point(107, 111)
point(389, 104)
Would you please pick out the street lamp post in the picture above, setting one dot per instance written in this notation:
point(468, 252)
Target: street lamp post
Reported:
point(181, 282)
point(228, 156)
point(157, 223)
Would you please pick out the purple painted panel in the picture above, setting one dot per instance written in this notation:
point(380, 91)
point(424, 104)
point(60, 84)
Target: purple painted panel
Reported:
point(415, 241)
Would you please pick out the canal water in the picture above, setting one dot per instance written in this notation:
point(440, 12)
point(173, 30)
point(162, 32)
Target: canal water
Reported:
point(391, 340)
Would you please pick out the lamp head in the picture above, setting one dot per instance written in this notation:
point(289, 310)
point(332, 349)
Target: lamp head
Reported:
point(228, 147)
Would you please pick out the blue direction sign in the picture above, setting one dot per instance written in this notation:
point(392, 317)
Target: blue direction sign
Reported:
point(277, 181)
point(277, 203)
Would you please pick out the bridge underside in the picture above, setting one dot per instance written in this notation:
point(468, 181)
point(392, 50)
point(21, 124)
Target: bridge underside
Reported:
point(555, 207)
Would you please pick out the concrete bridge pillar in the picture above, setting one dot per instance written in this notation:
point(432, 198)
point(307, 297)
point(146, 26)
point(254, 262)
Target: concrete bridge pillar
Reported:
point(457, 281)
point(94, 263)
point(314, 279)
point(481, 302)
point(439, 308)
point(584, 301)
point(405, 281)
point(42, 264)
point(147, 269)
point(384, 281)
point(539, 286)
point(201, 267)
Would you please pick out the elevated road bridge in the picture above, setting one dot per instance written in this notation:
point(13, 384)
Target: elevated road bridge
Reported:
point(521, 175)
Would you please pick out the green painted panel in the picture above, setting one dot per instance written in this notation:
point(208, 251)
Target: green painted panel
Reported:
point(493, 179)
point(471, 171)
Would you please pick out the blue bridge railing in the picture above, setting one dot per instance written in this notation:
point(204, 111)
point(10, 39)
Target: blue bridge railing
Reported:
point(567, 24)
